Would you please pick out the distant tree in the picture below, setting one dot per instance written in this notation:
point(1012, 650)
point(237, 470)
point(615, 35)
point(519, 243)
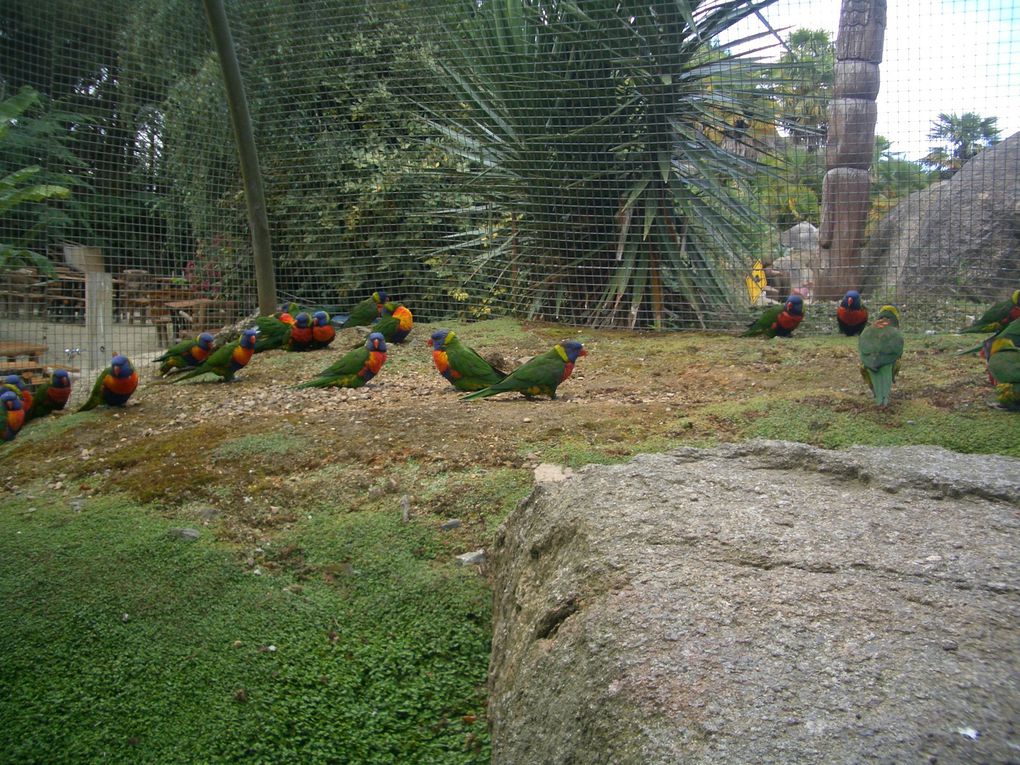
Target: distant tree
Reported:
point(963, 137)
point(803, 85)
point(22, 186)
point(893, 178)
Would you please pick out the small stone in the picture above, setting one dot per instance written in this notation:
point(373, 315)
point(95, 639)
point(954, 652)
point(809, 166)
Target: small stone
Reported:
point(453, 523)
point(473, 558)
point(183, 534)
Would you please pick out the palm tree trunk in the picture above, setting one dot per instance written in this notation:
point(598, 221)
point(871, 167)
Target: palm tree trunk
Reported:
point(851, 139)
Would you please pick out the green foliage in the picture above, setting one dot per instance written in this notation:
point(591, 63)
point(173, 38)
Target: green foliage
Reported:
point(962, 136)
point(596, 133)
point(129, 646)
point(803, 85)
point(22, 187)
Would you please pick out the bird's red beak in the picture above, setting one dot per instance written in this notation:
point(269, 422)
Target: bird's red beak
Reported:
point(429, 343)
point(584, 352)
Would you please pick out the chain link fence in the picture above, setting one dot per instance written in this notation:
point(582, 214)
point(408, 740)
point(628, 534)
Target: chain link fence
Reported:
point(596, 163)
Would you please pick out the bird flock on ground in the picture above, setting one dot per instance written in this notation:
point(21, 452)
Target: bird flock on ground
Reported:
point(880, 346)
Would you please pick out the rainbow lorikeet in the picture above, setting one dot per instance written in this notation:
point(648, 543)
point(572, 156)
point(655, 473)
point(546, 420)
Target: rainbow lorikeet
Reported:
point(354, 368)
point(395, 324)
point(463, 367)
point(778, 320)
point(851, 314)
point(997, 316)
point(187, 353)
point(367, 311)
point(323, 332)
point(1011, 332)
point(225, 361)
point(17, 384)
point(51, 395)
point(881, 346)
point(14, 414)
point(274, 332)
point(114, 385)
point(1004, 367)
point(539, 376)
point(300, 334)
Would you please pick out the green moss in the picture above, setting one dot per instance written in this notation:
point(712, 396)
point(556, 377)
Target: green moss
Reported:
point(263, 446)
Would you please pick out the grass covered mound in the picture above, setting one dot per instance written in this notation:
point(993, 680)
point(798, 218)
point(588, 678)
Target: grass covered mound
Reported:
point(309, 622)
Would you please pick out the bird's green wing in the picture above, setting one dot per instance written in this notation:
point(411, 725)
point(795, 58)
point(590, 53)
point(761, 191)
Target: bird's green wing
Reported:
point(348, 364)
point(1004, 366)
point(470, 365)
point(273, 333)
point(880, 346)
point(363, 314)
point(217, 363)
point(96, 396)
point(543, 371)
point(177, 350)
point(764, 322)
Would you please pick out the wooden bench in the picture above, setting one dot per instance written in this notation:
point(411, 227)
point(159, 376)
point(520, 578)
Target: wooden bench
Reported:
point(29, 370)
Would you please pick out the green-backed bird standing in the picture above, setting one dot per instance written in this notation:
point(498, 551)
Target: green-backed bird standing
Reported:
point(997, 316)
point(1004, 367)
point(462, 366)
point(51, 396)
point(778, 320)
point(851, 314)
point(14, 414)
point(881, 346)
point(540, 376)
point(1010, 332)
point(226, 361)
point(354, 368)
point(367, 311)
point(186, 354)
point(114, 385)
point(395, 324)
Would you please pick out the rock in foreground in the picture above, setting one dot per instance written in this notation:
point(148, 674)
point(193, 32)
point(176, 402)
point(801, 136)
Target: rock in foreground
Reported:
point(767, 603)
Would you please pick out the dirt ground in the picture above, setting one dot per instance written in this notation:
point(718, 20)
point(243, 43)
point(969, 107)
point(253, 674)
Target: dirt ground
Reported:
point(408, 431)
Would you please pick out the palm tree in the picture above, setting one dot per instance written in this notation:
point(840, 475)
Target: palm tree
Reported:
point(964, 137)
point(594, 135)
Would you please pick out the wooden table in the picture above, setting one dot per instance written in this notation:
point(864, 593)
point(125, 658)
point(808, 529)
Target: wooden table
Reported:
point(30, 367)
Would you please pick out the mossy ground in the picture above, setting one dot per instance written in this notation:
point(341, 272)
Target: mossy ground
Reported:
point(126, 645)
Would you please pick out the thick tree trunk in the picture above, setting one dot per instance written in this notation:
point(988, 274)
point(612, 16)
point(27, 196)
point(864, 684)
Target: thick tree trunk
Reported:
point(851, 140)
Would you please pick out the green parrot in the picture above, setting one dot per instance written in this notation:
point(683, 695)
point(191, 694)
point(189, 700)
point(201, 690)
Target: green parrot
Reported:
point(226, 360)
point(186, 354)
point(778, 320)
point(540, 376)
point(395, 323)
point(881, 346)
point(365, 312)
point(997, 316)
point(465, 369)
point(1004, 368)
point(354, 368)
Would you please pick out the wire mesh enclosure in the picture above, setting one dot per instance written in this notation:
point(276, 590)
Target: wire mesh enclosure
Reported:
point(597, 163)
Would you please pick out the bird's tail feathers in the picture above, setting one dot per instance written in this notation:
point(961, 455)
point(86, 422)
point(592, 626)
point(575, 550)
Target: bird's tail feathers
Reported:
point(881, 381)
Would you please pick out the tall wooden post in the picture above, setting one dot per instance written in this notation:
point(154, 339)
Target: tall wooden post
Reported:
point(851, 141)
point(240, 117)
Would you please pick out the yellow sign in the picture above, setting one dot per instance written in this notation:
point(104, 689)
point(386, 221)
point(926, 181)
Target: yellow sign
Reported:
point(756, 282)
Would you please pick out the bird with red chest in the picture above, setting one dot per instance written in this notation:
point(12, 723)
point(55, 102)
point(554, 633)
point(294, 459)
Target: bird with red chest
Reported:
point(51, 395)
point(323, 332)
point(114, 385)
point(778, 320)
point(851, 314)
point(17, 384)
point(14, 414)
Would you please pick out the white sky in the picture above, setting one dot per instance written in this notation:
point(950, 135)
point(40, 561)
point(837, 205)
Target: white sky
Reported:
point(950, 56)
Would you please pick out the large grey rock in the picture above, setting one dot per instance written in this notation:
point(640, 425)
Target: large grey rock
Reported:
point(768, 603)
point(959, 237)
